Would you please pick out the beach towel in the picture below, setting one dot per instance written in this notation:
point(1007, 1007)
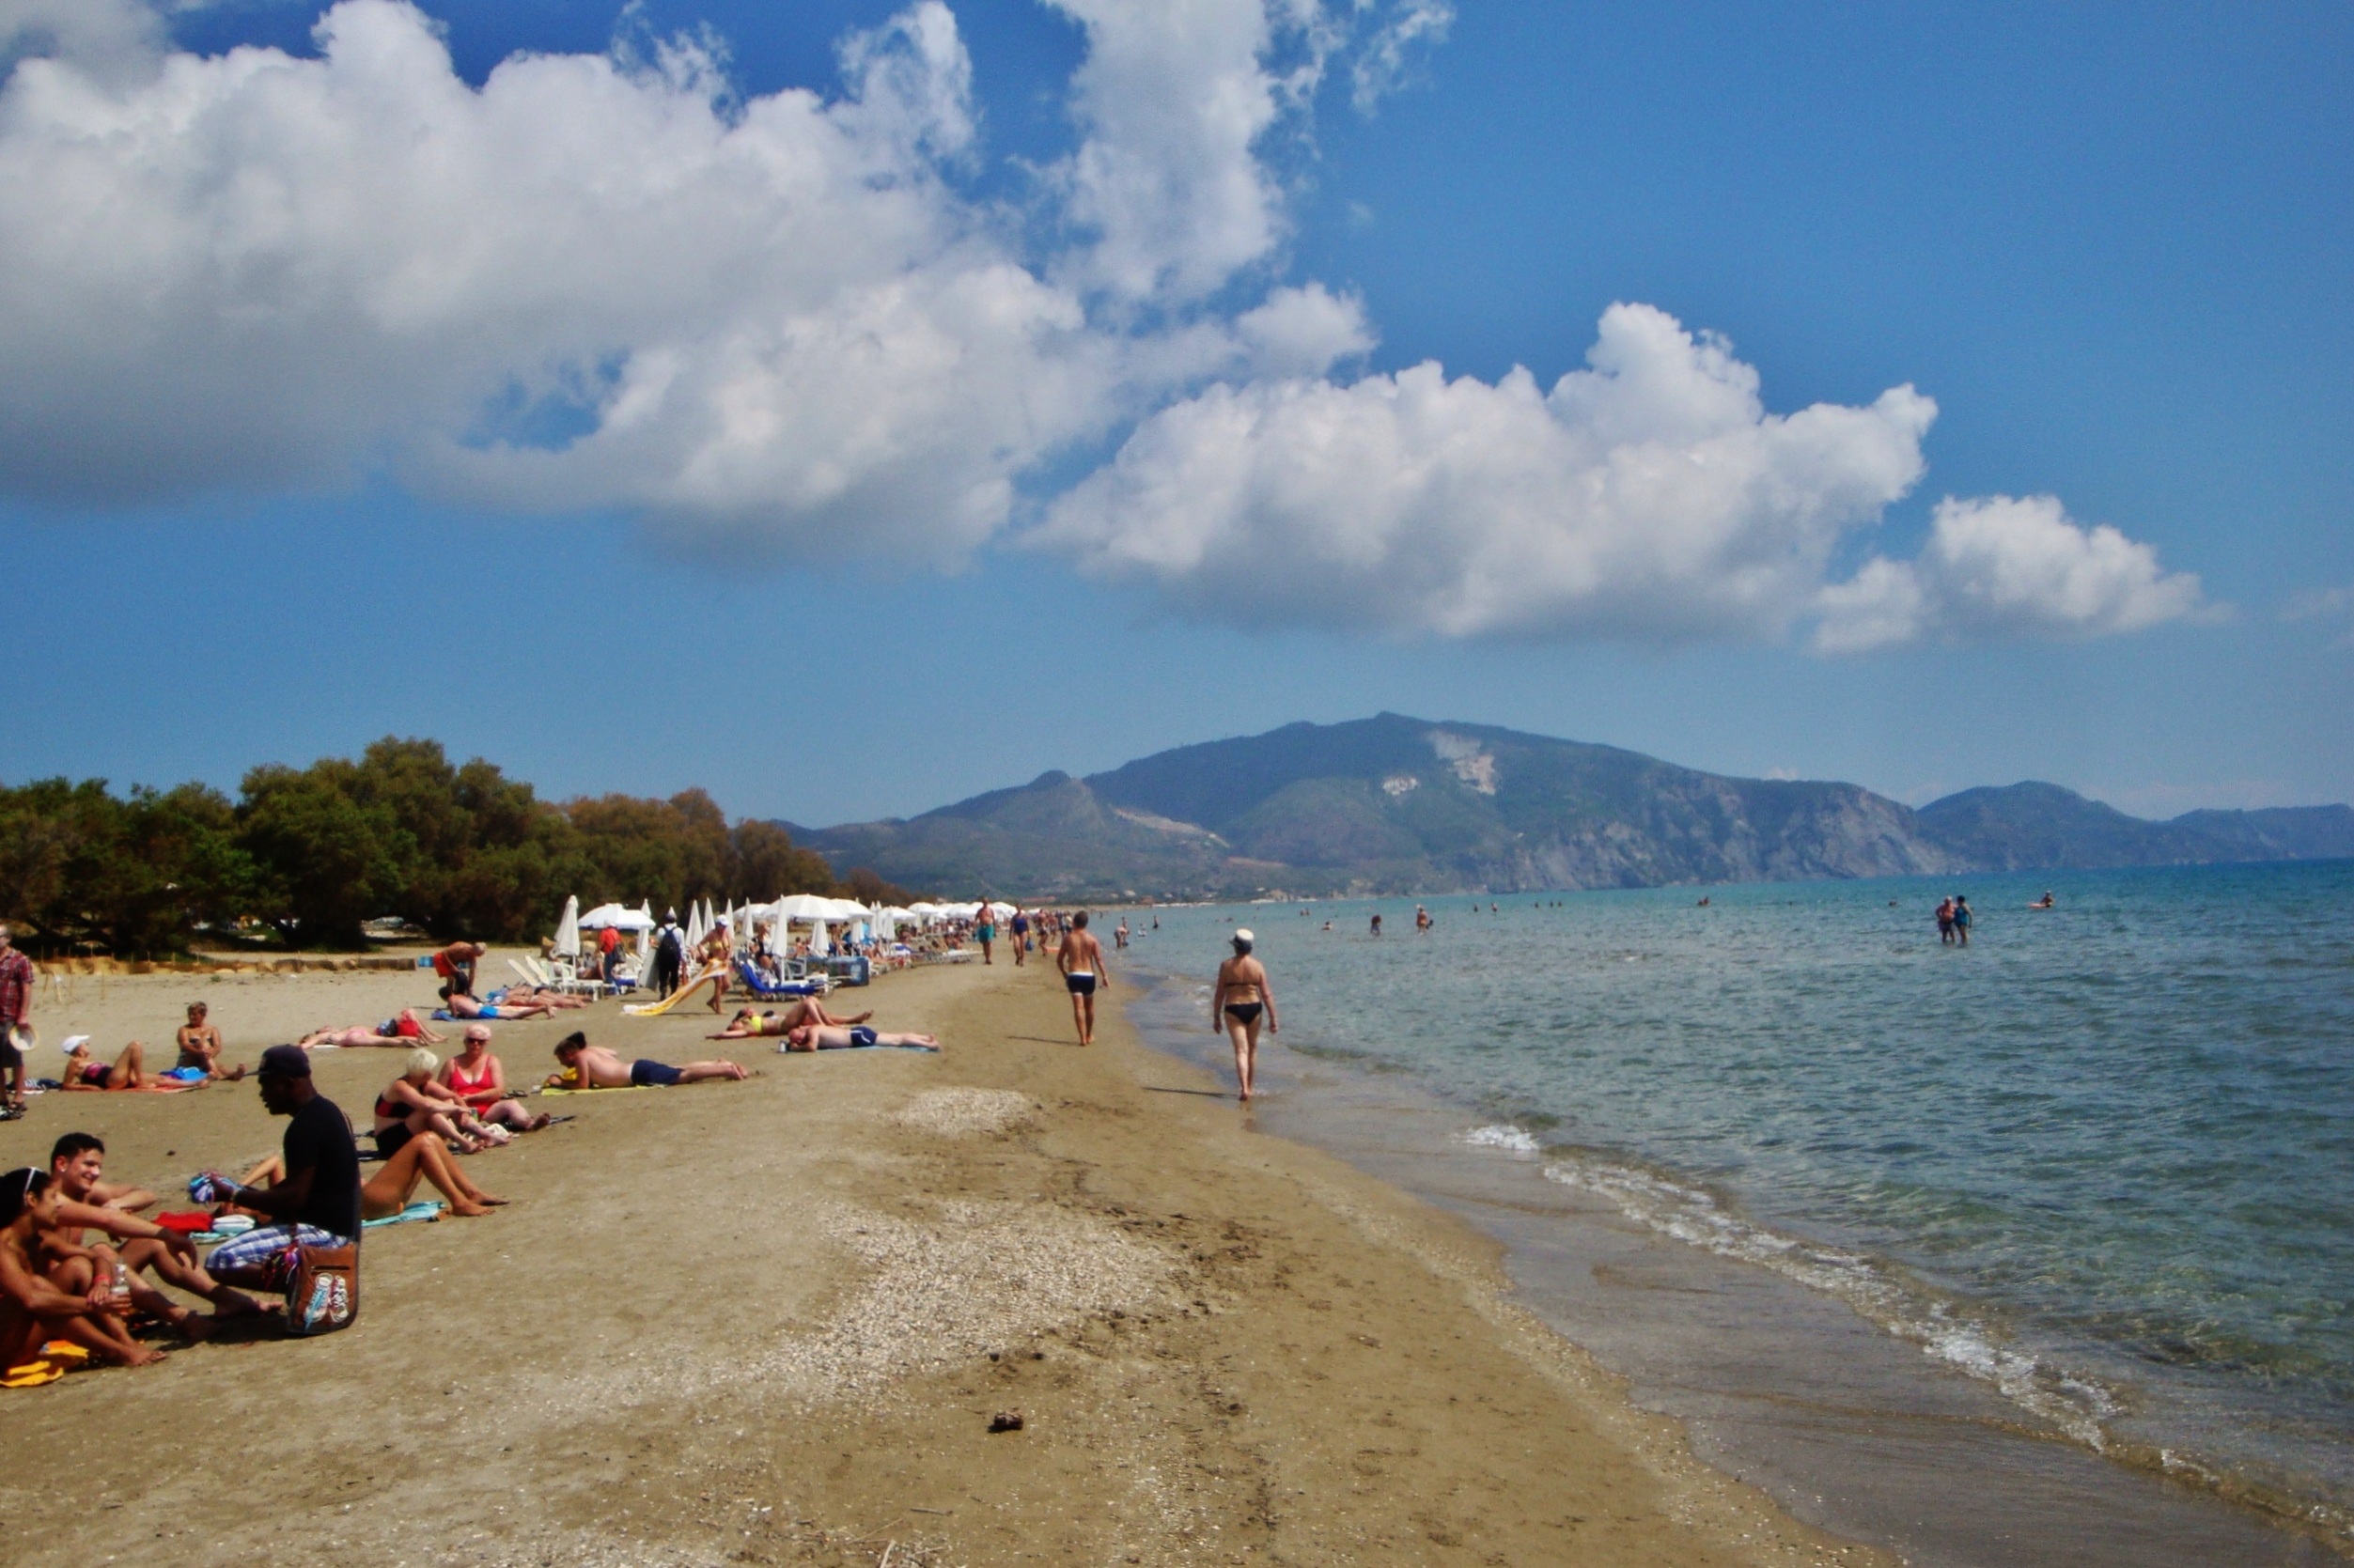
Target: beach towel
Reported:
point(415, 1212)
point(56, 1359)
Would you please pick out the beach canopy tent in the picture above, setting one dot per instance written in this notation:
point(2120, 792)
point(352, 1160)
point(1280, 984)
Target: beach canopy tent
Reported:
point(568, 930)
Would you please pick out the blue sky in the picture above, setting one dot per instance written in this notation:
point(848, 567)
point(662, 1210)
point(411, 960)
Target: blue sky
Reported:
point(273, 484)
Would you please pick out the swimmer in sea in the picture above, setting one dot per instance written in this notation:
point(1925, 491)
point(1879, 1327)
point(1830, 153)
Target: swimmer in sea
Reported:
point(1080, 959)
point(1236, 1003)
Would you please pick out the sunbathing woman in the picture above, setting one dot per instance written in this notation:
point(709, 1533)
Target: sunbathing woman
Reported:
point(859, 1037)
point(750, 1025)
point(412, 1105)
point(84, 1072)
point(200, 1045)
point(539, 996)
point(395, 1183)
point(479, 1082)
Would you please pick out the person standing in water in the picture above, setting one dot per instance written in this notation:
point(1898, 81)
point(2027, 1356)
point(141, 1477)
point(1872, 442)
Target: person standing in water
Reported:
point(1377, 925)
point(1242, 995)
point(1080, 959)
point(1961, 920)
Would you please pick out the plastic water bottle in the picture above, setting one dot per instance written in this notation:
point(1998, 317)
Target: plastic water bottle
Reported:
point(122, 1290)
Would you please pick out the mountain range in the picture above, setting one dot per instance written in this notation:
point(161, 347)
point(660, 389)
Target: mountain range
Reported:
point(1393, 804)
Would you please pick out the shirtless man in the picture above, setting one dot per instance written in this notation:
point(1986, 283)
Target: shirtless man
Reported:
point(32, 1310)
point(465, 1007)
point(825, 1037)
point(77, 1168)
point(200, 1045)
point(750, 1025)
point(1080, 959)
point(588, 1066)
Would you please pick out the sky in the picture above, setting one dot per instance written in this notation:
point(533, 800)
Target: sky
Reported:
point(846, 408)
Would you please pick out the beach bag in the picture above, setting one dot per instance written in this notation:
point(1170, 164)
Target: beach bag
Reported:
point(323, 1292)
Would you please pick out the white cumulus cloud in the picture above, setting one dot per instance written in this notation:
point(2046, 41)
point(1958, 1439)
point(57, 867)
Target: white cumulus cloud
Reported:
point(782, 322)
point(1650, 495)
point(1999, 567)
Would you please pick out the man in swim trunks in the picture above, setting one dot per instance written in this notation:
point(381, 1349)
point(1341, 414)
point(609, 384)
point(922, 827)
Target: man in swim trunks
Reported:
point(858, 1037)
point(596, 1068)
point(1080, 959)
point(750, 1025)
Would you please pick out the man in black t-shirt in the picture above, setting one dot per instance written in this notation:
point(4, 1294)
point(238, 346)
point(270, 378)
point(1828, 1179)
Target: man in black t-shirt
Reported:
point(317, 1200)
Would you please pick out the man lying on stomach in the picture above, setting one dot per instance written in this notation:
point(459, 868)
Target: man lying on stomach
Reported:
point(587, 1066)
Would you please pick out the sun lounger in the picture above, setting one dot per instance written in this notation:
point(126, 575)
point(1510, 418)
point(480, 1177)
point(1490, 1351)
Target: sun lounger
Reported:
point(765, 990)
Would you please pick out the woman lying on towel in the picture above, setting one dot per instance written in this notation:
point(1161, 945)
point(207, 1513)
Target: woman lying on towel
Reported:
point(403, 1028)
point(856, 1037)
point(749, 1024)
point(128, 1071)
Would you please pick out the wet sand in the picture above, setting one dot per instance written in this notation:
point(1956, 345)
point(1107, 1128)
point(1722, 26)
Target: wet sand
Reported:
point(770, 1322)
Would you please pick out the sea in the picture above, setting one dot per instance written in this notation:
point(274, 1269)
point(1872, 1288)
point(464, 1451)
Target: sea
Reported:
point(2040, 1250)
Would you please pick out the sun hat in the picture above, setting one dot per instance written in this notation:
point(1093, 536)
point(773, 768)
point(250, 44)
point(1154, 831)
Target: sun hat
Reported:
point(1242, 934)
point(72, 1043)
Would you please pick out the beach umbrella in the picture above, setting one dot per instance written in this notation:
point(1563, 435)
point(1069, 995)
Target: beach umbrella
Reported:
point(696, 928)
point(568, 930)
point(620, 917)
point(804, 908)
point(819, 942)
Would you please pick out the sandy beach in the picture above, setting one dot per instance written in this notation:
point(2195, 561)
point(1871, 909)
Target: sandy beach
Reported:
point(772, 1322)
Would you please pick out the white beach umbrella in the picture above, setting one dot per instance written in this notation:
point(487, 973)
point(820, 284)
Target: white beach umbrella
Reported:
point(568, 930)
point(819, 942)
point(696, 928)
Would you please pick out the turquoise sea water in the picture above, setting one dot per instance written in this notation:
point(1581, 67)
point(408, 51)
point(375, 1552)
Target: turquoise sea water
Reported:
point(2102, 1159)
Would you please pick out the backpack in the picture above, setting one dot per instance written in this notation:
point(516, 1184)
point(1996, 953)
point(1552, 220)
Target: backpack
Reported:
point(322, 1289)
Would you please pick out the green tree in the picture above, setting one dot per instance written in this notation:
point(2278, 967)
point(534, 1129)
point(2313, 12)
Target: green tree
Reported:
point(323, 863)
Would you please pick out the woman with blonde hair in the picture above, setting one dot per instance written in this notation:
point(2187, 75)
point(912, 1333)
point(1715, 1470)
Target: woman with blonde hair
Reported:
point(412, 1104)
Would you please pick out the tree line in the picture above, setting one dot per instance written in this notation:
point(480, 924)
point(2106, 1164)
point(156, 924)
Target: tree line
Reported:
point(308, 855)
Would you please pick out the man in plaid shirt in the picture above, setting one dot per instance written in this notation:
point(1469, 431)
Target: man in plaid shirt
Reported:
point(16, 999)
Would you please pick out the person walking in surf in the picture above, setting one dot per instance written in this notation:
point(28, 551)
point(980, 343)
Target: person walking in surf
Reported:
point(1241, 996)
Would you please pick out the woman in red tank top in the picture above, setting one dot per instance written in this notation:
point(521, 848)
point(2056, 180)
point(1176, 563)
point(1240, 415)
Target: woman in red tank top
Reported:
point(475, 1077)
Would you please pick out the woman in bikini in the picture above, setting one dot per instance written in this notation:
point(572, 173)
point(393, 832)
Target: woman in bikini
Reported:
point(201, 1047)
point(1243, 994)
point(479, 1081)
point(128, 1071)
point(750, 1025)
point(413, 1104)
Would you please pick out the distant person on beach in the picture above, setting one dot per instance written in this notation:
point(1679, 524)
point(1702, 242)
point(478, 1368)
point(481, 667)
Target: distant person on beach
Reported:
point(200, 1045)
point(456, 965)
point(2043, 903)
point(1119, 934)
point(1961, 920)
point(1377, 925)
point(1945, 922)
point(403, 1028)
point(670, 954)
point(813, 1036)
point(1083, 966)
point(1020, 928)
point(16, 1007)
point(498, 1012)
point(1422, 918)
point(985, 932)
point(749, 1024)
point(1240, 997)
point(609, 953)
point(590, 1066)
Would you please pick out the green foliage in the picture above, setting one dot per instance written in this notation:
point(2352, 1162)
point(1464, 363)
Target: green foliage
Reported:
point(316, 852)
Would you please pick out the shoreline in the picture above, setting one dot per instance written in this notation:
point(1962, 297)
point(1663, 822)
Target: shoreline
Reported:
point(1794, 1388)
point(771, 1322)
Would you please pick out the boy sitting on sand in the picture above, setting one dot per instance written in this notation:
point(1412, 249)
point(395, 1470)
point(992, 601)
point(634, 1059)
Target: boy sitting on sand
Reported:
point(86, 1201)
point(587, 1066)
